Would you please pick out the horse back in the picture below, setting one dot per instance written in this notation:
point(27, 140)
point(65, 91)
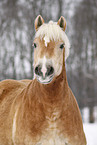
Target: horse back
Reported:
point(11, 87)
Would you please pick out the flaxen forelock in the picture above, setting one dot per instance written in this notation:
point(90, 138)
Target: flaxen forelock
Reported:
point(52, 32)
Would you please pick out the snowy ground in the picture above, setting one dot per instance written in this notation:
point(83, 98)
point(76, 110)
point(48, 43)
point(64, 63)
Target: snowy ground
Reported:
point(89, 128)
point(91, 133)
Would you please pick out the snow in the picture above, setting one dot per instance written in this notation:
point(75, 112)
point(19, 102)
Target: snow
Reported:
point(85, 114)
point(90, 129)
point(91, 133)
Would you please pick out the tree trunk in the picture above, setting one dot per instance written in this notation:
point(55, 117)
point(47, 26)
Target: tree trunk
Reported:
point(91, 115)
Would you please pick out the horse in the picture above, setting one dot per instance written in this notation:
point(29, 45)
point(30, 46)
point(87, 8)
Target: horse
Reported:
point(42, 111)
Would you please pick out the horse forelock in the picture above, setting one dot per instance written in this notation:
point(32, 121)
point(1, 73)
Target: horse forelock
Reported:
point(52, 32)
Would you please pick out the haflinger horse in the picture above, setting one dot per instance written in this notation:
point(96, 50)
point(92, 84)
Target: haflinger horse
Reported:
point(42, 111)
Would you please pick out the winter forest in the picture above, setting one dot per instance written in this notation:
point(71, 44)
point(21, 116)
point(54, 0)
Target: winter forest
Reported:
point(16, 39)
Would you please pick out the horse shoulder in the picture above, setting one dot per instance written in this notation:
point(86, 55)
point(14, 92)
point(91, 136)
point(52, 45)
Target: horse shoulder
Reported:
point(9, 91)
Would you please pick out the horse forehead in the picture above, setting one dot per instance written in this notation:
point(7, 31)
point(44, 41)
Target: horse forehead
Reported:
point(46, 50)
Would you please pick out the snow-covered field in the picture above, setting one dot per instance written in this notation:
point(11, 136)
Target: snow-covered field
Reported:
point(90, 128)
point(91, 133)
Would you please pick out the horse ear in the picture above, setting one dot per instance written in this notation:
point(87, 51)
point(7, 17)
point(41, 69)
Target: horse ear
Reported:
point(62, 23)
point(38, 21)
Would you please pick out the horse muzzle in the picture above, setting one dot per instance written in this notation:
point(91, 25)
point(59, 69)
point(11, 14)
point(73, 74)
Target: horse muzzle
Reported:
point(44, 74)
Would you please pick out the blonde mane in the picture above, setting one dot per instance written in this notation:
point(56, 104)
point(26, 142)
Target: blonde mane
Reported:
point(53, 32)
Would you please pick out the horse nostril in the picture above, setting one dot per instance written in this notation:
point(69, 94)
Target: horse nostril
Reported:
point(50, 70)
point(38, 70)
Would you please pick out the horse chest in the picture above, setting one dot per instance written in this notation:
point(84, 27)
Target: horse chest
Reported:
point(52, 135)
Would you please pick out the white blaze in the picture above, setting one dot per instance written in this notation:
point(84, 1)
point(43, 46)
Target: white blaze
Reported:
point(47, 40)
point(44, 69)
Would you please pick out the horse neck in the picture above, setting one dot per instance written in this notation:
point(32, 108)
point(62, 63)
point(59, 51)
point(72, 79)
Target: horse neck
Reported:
point(54, 95)
point(46, 98)
point(54, 91)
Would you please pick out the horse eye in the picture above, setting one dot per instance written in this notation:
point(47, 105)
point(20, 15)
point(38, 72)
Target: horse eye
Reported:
point(34, 45)
point(62, 46)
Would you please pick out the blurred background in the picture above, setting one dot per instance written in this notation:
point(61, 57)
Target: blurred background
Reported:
point(17, 34)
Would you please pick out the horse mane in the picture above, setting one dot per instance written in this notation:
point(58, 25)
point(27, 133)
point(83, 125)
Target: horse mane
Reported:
point(53, 32)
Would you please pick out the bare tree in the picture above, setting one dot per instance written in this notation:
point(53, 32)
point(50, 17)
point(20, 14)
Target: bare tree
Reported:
point(85, 35)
